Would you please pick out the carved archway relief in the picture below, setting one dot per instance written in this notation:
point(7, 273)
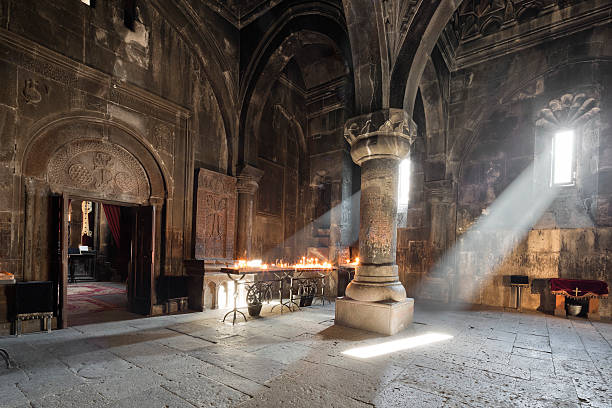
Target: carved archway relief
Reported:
point(100, 168)
point(97, 158)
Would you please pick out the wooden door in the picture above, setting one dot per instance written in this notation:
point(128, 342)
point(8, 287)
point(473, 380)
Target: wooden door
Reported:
point(58, 251)
point(140, 282)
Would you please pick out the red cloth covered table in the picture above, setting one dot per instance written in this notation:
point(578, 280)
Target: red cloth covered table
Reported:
point(579, 288)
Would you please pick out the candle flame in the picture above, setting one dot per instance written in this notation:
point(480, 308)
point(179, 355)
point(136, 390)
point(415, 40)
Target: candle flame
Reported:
point(303, 263)
point(254, 263)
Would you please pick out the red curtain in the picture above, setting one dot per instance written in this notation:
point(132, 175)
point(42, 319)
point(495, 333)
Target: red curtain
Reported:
point(113, 217)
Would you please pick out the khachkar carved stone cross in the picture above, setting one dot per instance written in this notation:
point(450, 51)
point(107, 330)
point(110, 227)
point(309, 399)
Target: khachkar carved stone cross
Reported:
point(378, 142)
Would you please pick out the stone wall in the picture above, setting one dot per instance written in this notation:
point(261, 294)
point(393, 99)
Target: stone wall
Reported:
point(281, 157)
point(331, 191)
point(72, 72)
point(492, 141)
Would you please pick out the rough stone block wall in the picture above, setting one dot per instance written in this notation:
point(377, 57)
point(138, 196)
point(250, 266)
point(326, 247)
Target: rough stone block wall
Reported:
point(63, 57)
point(492, 140)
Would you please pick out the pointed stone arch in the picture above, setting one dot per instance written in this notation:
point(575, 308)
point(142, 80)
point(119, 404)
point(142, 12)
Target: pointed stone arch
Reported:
point(312, 22)
point(425, 28)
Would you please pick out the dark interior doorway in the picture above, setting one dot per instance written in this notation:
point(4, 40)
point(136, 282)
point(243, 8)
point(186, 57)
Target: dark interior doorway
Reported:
point(99, 258)
point(105, 261)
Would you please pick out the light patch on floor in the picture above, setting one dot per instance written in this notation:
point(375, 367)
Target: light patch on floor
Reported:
point(389, 347)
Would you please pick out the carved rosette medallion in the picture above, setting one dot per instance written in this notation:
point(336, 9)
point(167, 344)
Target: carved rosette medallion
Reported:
point(100, 167)
point(215, 215)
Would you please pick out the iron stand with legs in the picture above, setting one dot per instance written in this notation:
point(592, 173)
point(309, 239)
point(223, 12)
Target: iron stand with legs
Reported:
point(281, 279)
point(235, 311)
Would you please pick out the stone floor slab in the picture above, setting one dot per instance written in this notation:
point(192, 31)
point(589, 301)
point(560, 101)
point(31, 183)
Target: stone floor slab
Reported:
point(494, 359)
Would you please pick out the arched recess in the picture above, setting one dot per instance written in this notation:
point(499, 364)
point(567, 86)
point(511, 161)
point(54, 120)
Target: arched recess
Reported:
point(210, 296)
point(294, 29)
point(277, 62)
point(426, 26)
point(89, 157)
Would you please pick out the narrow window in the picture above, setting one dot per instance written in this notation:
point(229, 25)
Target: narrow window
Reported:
point(129, 13)
point(563, 158)
point(403, 184)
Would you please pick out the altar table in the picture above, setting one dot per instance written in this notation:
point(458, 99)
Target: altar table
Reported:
point(578, 289)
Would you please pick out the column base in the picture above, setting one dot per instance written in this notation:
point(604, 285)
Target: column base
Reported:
point(375, 292)
point(380, 317)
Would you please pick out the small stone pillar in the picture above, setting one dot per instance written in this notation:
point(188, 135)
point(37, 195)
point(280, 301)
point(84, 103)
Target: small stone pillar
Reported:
point(36, 251)
point(248, 183)
point(378, 142)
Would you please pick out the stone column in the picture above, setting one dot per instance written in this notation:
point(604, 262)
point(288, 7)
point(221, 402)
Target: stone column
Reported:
point(378, 142)
point(248, 183)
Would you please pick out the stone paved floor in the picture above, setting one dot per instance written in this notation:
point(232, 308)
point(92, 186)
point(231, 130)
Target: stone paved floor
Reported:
point(495, 359)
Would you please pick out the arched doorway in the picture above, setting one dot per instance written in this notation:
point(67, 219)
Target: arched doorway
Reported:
point(92, 159)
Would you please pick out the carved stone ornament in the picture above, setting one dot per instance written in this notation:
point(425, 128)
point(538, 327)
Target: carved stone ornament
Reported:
point(33, 91)
point(101, 167)
point(163, 137)
point(387, 133)
point(485, 17)
point(215, 215)
point(567, 111)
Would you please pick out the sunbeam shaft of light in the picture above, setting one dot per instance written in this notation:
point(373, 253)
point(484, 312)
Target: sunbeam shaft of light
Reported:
point(497, 232)
point(396, 345)
point(303, 238)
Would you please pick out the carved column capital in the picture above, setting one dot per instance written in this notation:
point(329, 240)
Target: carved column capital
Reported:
point(248, 179)
point(387, 134)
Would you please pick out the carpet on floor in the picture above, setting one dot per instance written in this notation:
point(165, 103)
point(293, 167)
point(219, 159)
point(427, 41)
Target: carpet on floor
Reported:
point(95, 297)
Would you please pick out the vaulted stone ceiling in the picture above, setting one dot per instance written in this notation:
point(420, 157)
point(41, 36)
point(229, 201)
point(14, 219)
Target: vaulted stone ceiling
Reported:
point(320, 63)
point(397, 16)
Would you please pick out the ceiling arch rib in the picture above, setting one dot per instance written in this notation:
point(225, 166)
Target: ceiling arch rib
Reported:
point(425, 28)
